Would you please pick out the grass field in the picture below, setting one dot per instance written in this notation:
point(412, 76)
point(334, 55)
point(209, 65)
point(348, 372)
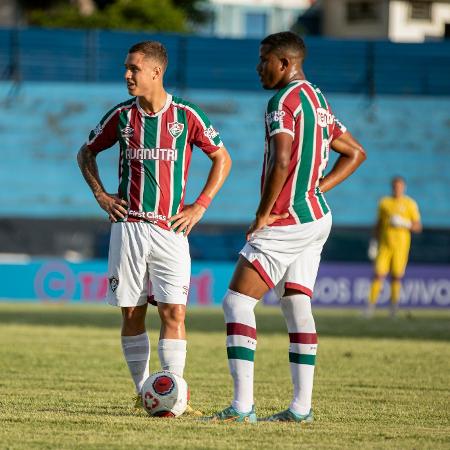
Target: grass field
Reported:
point(379, 384)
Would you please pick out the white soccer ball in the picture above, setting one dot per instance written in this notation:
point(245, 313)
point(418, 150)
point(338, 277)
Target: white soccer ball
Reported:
point(165, 394)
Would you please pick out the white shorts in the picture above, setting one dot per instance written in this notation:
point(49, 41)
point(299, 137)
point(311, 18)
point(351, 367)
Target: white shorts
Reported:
point(289, 256)
point(141, 255)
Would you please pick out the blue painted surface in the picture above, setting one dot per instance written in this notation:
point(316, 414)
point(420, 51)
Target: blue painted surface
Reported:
point(43, 125)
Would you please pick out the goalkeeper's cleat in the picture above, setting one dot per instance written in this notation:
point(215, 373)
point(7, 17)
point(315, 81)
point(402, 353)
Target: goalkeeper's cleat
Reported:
point(290, 416)
point(190, 411)
point(138, 401)
point(232, 415)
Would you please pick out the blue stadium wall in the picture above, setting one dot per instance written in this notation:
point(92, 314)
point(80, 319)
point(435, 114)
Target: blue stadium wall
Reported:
point(58, 83)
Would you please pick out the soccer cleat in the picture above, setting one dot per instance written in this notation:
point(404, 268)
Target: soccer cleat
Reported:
point(190, 411)
point(232, 415)
point(138, 401)
point(290, 416)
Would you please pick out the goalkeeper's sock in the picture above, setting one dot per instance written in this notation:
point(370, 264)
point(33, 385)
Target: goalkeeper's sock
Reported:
point(396, 286)
point(375, 289)
point(302, 349)
point(172, 355)
point(136, 350)
point(241, 346)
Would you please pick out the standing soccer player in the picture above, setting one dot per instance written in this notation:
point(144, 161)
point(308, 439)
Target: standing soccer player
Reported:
point(291, 226)
point(150, 222)
point(398, 216)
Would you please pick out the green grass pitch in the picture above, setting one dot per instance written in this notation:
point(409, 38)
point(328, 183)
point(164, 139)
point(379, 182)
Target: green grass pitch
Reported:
point(379, 384)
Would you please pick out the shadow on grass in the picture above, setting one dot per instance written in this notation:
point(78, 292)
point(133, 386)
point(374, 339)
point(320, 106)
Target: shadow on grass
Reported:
point(434, 325)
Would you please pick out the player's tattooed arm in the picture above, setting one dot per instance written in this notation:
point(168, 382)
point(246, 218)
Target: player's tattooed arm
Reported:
point(111, 203)
point(351, 156)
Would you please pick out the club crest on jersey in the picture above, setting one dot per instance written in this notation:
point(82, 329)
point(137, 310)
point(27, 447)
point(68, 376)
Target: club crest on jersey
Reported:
point(127, 132)
point(175, 128)
point(163, 385)
point(113, 283)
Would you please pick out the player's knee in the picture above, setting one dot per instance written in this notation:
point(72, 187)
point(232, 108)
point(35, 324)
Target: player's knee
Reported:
point(132, 323)
point(232, 303)
point(172, 315)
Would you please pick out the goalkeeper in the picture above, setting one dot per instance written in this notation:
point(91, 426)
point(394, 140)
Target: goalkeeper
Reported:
point(398, 215)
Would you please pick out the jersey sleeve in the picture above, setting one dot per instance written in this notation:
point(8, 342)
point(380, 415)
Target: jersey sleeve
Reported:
point(202, 133)
point(280, 117)
point(414, 211)
point(338, 129)
point(104, 135)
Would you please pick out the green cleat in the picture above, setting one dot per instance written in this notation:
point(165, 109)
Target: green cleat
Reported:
point(290, 416)
point(231, 415)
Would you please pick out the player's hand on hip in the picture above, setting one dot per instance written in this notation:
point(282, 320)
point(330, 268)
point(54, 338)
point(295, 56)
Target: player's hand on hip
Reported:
point(185, 220)
point(262, 221)
point(113, 205)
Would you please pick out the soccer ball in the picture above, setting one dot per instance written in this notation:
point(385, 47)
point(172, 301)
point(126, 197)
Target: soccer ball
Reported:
point(165, 394)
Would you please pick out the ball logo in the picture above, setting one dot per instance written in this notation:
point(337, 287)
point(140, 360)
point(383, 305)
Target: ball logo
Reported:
point(163, 385)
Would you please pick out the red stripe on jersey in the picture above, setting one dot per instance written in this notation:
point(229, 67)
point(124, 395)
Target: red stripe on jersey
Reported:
point(303, 338)
point(241, 330)
point(317, 159)
point(165, 181)
point(260, 269)
point(135, 165)
point(281, 205)
point(299, 287)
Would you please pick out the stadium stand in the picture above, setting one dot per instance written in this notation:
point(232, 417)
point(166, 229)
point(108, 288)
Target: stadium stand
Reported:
point(58, 83)
point(47, 122)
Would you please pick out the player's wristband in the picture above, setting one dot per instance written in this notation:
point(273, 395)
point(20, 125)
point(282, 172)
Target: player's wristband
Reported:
point(203, 200)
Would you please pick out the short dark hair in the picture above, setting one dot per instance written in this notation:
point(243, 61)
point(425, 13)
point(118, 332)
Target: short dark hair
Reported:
point(285, 41)
point(398, 178)
point(151, 49)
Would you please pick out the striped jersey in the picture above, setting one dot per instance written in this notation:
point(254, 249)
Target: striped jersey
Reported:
point(301, 110)
point(155, 153)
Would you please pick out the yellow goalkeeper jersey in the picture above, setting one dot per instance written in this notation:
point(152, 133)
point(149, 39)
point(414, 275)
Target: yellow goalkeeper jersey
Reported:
point(405, 208)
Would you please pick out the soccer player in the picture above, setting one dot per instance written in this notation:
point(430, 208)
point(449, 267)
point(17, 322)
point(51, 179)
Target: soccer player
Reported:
point(398, 216)
point(156, 132)
point(292, 223)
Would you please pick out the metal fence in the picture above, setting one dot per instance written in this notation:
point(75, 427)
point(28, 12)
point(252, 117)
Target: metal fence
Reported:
point(362, 67)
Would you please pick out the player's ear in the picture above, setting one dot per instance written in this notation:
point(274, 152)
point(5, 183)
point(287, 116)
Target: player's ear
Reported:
point(284, 63)
point(157, 72)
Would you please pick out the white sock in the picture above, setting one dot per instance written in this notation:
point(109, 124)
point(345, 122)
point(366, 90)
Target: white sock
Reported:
point(172, 355)
point(136, 350)
point(241, 346)
point(302, 349)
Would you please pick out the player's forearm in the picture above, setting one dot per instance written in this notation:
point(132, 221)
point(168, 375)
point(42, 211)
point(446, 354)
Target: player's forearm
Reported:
point(416, 227)
point(220, 169)
point(343, 168)
point(89, 169)
point(275, 178)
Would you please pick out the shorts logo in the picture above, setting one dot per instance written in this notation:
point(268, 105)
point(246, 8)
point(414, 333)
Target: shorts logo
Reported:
point(185, 290)
point(211, 133)
point(113, 283)
point(163, 385)
point(127, 132)
point(175, 128)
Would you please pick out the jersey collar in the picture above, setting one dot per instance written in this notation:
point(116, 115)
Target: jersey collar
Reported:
point(160, 112)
